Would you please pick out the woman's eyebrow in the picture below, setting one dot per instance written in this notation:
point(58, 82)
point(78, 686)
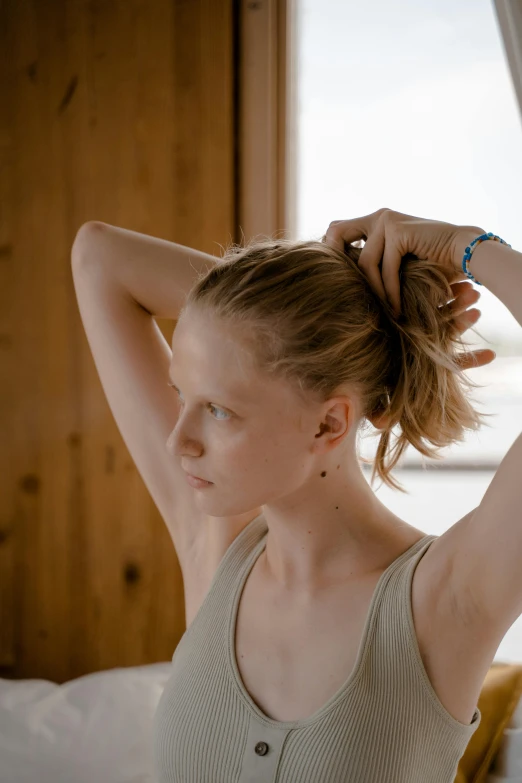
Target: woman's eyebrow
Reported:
point(237, 396)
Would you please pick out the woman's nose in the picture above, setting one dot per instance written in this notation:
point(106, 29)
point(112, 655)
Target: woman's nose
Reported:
point(178, 444)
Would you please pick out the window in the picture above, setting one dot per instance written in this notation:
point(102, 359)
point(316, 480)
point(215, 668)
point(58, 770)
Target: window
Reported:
point(412, 106)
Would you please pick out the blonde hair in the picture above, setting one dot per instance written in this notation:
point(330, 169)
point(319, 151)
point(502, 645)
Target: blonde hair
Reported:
point(313, 319)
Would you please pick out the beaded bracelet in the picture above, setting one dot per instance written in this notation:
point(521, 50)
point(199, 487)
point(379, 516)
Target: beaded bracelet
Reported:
point(470, 249)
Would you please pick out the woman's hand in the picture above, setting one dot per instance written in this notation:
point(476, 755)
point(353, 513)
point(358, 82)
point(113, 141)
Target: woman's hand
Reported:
point(466, 295)
point(390, 235)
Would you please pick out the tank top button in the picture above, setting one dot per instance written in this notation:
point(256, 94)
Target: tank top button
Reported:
point(261, 748)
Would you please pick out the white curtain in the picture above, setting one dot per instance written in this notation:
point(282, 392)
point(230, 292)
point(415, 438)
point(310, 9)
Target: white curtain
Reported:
point(509, 15)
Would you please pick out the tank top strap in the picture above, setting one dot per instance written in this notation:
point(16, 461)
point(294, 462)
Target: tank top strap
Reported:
point(392, 612)
point(210, 619)
point(394, 641)
point(241, 547)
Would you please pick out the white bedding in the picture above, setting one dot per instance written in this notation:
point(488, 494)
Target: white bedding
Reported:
point(98, 729)
point(95, 729)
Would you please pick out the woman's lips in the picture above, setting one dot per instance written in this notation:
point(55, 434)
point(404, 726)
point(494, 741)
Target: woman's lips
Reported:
point(195, 481)
point(196, 477)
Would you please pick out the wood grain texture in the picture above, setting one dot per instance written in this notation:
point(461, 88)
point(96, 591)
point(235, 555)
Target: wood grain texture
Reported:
point(121, 112)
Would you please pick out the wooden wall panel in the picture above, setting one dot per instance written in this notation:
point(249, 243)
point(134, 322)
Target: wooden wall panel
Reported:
point(119, 111)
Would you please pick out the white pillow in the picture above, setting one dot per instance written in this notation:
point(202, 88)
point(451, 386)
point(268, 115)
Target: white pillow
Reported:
point(94, 729)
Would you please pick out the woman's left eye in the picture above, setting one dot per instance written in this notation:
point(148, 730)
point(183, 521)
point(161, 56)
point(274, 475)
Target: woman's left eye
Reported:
point(227, 415)
point(218, 409)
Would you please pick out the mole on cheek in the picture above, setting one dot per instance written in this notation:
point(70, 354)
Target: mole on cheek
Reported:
point(323, 474)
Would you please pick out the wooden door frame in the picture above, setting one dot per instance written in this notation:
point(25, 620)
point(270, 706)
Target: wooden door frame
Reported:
point(267, 118)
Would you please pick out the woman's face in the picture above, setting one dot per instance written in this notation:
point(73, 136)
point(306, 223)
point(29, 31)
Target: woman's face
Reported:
point(248, 434)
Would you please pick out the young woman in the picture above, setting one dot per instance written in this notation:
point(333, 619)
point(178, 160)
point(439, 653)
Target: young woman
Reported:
point(327, 640)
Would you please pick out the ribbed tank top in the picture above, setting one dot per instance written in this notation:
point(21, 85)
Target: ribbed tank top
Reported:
point(384, 725)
